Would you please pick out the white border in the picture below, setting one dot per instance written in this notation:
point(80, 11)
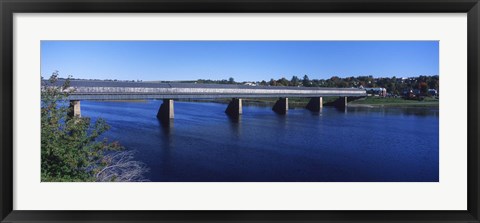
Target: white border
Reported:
point(449, 194)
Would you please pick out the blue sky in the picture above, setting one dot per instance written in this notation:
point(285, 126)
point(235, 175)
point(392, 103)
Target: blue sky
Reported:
point(242, 60)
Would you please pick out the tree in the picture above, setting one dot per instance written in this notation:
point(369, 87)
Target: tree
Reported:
point(272, 82)
point(70, 146)
point(231, 80)
point(306, 81)
point(423, 87)
point(295, 81)
point(283, 82)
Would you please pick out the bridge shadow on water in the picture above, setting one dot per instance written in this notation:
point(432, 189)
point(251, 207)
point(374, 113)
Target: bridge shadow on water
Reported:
point(282, 120)
point(166, 147)
point(235, 124)
point(317, 113)
point(341, 109)
point(166, 126)
point(235, 118)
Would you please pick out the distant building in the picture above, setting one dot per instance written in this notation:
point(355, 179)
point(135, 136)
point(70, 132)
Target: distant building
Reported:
point(250, 84)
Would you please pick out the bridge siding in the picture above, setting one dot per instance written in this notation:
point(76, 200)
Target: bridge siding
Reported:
point(107, 90)
point(125, 93)
point(123, 84)
point(111, 90)
point(185, 96)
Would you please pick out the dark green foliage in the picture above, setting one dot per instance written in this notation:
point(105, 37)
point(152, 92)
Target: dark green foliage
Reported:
point(294, 81)
point(272, 82)
point(394, 85)
point(223, 81)
point(70, 149)
point(306, 81)
point(283, 82)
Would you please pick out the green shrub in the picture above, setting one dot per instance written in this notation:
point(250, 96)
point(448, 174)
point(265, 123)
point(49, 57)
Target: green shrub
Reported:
point(71, 150)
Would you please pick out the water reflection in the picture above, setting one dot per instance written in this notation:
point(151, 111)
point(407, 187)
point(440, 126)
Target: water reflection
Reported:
point(166, 126)
point(341, 109)
point(235, 125)
point(403, 111)
point(234, 118)
point(317, 113)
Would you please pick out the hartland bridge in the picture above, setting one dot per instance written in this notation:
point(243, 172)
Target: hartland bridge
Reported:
point(119, 90)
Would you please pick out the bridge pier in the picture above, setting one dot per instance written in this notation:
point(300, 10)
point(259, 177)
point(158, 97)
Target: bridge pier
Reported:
point(281, 106)
point(165, 112)
point(341, 103)
point(234, 108)
point(315, 104)
point(74, 110)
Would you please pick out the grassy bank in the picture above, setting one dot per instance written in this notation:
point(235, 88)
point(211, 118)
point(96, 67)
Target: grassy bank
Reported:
point(292, 102)
point(302, 102)
point(394, 102)
point(126, 100)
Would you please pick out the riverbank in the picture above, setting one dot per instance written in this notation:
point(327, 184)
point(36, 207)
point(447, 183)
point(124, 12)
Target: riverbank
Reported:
point(267, 102)
point(394, 102)
point(126, 100)
point(370, 102)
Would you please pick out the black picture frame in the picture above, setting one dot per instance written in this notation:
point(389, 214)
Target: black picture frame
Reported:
point(9, 7)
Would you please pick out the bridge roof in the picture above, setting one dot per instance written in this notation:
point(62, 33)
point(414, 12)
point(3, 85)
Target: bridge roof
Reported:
point(145, 84)
point(121, 90)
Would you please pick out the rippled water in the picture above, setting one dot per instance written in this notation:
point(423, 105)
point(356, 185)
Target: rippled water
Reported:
point(203, 144)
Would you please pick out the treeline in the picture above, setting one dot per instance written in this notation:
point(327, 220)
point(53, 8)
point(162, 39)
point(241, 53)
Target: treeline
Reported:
point(96, 79)
point(224, 81)
point(393, 85)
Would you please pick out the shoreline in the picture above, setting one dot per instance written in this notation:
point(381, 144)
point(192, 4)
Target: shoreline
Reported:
point(425, 105)
point(300, 104)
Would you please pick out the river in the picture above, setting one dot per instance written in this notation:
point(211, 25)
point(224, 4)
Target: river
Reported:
point(204, 145)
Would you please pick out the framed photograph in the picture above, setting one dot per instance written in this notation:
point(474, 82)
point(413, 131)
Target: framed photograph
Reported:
point(199, 111)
